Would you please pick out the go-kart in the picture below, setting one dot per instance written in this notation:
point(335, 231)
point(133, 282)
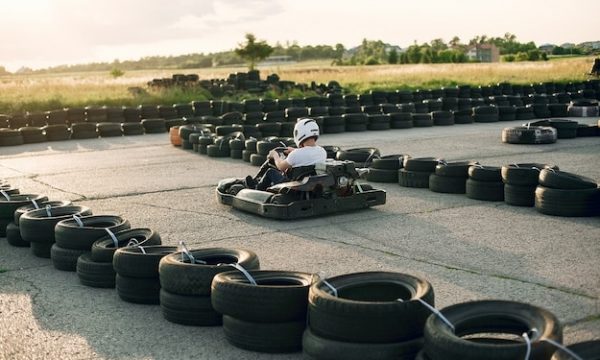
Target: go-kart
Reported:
point(322, 189)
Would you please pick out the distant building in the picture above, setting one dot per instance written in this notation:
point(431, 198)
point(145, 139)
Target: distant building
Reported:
point(484, 53)
point(594, 45)
point(567, 45)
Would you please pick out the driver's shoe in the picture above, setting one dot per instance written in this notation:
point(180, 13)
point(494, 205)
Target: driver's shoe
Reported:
point(249, 182)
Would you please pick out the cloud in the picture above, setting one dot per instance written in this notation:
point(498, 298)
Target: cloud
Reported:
point(67, 31)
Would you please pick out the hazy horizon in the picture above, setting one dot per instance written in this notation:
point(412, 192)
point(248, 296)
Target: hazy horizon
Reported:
point(43, 33)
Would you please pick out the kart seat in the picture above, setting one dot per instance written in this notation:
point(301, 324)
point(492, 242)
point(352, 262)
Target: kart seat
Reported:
point(308, 183)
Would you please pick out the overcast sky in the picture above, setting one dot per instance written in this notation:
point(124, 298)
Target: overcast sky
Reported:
point(41, 33)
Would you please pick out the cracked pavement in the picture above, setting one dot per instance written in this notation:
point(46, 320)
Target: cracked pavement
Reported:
point(467, 249)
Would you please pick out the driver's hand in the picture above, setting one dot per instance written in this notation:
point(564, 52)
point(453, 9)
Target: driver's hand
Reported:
point(273, 155)
point(289, 150)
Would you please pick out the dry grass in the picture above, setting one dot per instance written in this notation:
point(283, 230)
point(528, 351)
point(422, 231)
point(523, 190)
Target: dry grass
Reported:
point(43, 92)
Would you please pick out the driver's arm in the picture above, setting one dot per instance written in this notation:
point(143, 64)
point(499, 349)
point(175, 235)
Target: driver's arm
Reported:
point(281, 164)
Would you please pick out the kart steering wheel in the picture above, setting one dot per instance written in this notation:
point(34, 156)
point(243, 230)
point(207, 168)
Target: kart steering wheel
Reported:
point(270, 163)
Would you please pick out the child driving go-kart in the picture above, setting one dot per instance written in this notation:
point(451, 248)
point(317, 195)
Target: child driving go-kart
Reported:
point(308, 153)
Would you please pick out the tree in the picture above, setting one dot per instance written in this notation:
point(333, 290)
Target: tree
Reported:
point(3, 71)
point(253, 51)
point(116, 72)
point(393, 57)
point(455, 42)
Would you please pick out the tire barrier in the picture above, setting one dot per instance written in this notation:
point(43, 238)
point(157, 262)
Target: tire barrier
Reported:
point(428, 107)
point(185, 296)
point(379, 315)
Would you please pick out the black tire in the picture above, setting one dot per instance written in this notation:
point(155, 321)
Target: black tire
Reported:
point(134, 262)
point(179, 276)
point(65, 259)
point(217, 151)
point(37, 226)
point(154, 126)
point(188, 310)
point(246, 154)
point(414, 179)
point(382, 176)
point(257, 159)
point(565, 180)
point(13, 236)
point(489, 317)
point(525, 174)
point(109, 130)
point(422, 120)
point(485, 173)
point(250, 145)
point(325, 349)
point(237, 144)
point(367, 309)
point(103, 249)
point(485, 190)
point(25, 208)
point(8, 207)
point(334, 129)
point(519, 195)
point(95, 274)
point(280, 296)
point(138, 290)
point(264, 337)
point(41, 249)
point(423, 164)
point(388, 162)
point(9, 137)
point(565, 129)
point(571, 203)
point(378, 126)
point(264, 147)
point(69, 235)
point(454, 169)
point(584, 130)
point(442, 118)
point(57, 132)
point(360, 156)
point(588, 350)
point(131, 129)
point(235, 154)
point(447, 184)
point(529, 135)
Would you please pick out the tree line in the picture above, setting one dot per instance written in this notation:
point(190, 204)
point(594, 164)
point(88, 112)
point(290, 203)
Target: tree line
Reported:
point(369, 52)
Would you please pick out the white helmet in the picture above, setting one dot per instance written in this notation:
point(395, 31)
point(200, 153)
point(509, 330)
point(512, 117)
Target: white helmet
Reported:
point(304, 129)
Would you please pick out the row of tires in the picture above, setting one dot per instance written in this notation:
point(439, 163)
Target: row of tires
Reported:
point(550, 191)
point(313, 106)
point(548, 131)
point(378, 315)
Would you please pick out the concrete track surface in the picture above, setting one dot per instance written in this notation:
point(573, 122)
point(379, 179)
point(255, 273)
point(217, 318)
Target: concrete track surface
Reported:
point(467, 249)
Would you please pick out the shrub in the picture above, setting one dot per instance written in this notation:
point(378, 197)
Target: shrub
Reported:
point(508, 58)
point(116, 73)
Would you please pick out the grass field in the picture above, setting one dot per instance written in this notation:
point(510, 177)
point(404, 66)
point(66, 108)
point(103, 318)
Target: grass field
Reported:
point(20, 93)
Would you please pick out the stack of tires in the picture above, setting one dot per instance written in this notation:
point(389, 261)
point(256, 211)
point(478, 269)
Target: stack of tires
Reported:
point(583, 108)
point(529, 135)
point(37, 226)
point(137, 278)
point(385, 169)
point(560, 193)
point(416, 171)
point(450, 177)
point(95, 269)
point(520, 182)
point(485, 114)
point(249, 149)
point(13, 231)
point(268, 316)
point(370, 315)
point(8, 205)
point(478, 329)
point(185, 295)
point(485, 183)
point(10, 137)
point(75, 237)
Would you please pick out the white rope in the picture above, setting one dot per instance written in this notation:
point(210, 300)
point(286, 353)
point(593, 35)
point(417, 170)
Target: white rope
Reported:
point(436, 312)
point(563, 348)
point(5, 194)
point(78, 220)
point(528, 343)
point(35, 204)
point(48, 207)
point(333, 289)
point(243, 271)
point(113, 237)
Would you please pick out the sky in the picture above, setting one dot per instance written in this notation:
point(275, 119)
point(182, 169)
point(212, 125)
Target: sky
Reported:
point(42, 33)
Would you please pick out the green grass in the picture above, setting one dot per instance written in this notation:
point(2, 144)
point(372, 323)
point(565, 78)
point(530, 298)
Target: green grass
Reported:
point(41, 92)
